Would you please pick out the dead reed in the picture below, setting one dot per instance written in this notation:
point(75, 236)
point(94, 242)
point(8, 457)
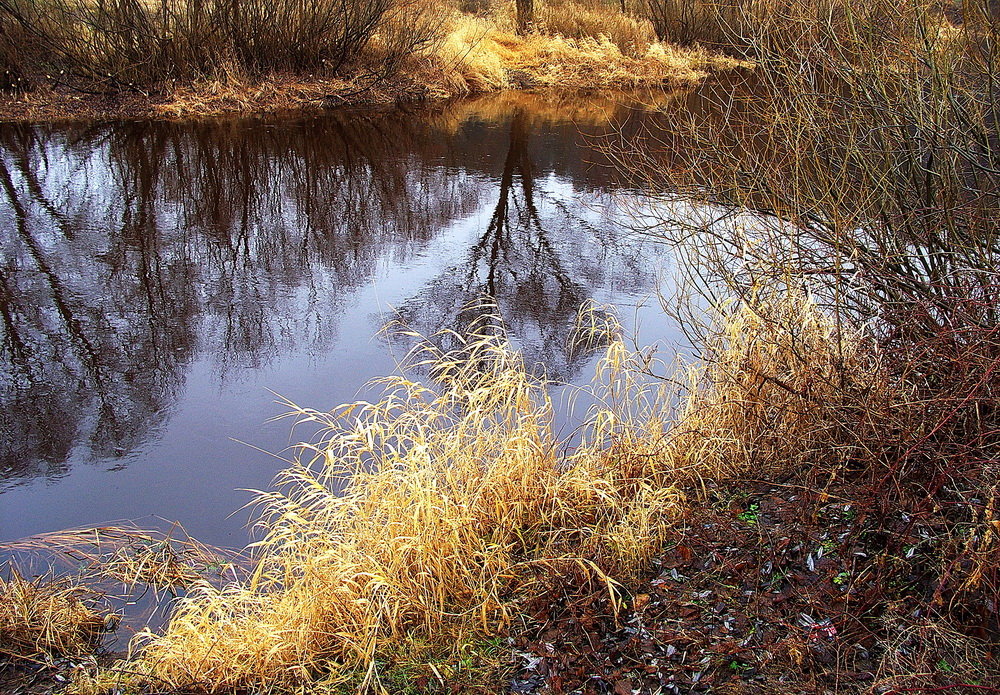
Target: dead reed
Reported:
point(480, 55)
point(46, 617)
point(581, 20)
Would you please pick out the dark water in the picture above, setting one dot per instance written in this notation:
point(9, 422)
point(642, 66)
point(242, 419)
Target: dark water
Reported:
point(160, 283)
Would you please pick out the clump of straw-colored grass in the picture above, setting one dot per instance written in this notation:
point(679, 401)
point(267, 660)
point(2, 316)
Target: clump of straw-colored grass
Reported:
point(420, 515)
point(421, 518)
point(127, 555)
point(41, 618)
point(779, 389)
point(579, 20)
point(479, 56)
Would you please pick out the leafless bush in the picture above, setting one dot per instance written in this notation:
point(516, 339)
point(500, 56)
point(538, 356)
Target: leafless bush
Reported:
point(115, 44)
point(859, 161)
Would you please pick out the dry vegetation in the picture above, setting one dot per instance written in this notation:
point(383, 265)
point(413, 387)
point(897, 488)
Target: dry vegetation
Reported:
point(185, 57)
point(457, 501)
point(478, 56)
point(856, 398)
point(46, 617)
point(460, 502)
point(868, 160)
point(423, 525)
point(88, 576)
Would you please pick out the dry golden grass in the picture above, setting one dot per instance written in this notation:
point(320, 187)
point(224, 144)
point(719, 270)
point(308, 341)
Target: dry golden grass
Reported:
point(43, 618)
point(476, 56)
point(414, 50)
point(778, 379)
point(480, 56)
point(420, 519)
point(128, 556)
point(235, 94)
point(580, 20)
point(456, 498)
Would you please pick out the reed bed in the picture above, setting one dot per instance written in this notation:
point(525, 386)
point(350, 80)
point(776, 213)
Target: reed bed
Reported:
point(632, 35)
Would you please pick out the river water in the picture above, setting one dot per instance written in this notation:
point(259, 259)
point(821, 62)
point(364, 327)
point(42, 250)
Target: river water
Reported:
point(161, 284)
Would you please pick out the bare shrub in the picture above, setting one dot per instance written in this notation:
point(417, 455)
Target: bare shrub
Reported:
point(859, 163)
point(115, 44)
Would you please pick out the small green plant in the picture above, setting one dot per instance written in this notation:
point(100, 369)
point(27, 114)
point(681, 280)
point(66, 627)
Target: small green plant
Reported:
point(752, 514)
point(738, 666)
point(842, 579)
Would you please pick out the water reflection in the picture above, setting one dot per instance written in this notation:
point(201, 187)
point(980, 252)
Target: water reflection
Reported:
point(537, 283)
point(131, 248)
point(132, 252)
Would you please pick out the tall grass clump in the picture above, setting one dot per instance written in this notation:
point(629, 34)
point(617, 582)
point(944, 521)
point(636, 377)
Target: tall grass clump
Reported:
point(579, 20)
point(419, 521)
point(480, 55)
point(416, 520)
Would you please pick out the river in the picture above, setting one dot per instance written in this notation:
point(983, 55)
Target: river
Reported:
point(162, 284)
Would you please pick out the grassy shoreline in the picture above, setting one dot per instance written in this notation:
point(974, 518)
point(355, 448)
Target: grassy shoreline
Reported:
point(734, 532)
point(812, 507)
point(471, 55)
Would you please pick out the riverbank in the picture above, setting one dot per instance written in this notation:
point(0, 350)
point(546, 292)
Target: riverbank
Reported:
point(767, 535)
point(473, 56)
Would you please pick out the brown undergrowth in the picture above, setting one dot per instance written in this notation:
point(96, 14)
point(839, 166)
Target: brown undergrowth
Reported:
point(856, 552)
point(48, 617)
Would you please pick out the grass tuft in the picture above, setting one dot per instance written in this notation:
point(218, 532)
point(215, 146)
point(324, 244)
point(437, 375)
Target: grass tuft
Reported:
point(45, 618)
point(480, 55)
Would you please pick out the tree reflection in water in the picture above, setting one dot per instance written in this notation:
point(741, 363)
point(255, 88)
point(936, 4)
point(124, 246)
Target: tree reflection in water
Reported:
point(131, 251)
point(539, 259)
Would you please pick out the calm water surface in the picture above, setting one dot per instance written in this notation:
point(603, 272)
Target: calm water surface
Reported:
point(160, 283)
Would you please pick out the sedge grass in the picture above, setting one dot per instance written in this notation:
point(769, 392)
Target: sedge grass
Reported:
point(579, 20)
point(479, 55)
